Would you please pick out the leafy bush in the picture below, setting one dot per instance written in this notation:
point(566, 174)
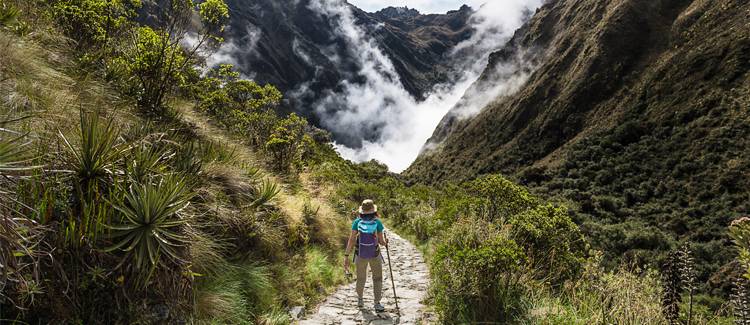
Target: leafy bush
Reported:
point(93, 23)
point(504, 198)
point(553, 243)
point(476, 270)
point(740, 233)
point(284, 142)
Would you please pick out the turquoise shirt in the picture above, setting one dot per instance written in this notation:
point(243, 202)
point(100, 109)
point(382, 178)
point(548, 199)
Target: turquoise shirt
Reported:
point(379, 226)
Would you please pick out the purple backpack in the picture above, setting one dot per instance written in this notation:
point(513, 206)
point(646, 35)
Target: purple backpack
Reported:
point(367, 243)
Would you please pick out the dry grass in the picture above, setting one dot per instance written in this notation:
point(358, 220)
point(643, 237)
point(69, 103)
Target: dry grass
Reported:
point(292, 203)
point(36, 82)
point(627, 296)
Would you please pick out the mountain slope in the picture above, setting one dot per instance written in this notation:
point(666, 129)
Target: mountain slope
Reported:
point(296, 47)
point(636, 111)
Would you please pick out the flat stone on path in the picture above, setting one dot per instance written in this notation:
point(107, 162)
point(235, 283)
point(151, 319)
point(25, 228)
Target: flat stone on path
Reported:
point(411, 278)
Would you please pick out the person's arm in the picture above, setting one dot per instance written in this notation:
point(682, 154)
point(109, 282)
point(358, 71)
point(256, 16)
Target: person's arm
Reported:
point(381, 239)
point(380, 229)
point(350, 243)
point(347, 252)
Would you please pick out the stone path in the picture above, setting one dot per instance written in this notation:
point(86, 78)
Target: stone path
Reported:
point(411, 278)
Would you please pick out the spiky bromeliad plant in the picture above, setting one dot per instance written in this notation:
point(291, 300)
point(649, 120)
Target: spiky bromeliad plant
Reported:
point(151, 225)
point(14, 154)
point(95, 160)
point(8, 14)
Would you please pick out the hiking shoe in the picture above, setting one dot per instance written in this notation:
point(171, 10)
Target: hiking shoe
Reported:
point(379, 308)
point(360, 302)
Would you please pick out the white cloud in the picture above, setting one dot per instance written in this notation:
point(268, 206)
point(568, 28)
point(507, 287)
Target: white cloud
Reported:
point(230, 50)
point(381, 103)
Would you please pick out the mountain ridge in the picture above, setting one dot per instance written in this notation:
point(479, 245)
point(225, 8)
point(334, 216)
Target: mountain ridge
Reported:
point(299, 51)
point(633, 116)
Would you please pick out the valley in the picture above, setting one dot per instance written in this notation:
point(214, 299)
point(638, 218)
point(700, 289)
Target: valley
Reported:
point(534, 162)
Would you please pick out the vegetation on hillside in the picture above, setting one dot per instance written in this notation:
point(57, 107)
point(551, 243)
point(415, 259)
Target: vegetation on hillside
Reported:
point(119, 204)
point(637, 206)
point(499, 254)
point(637, 119)
point(114, 209)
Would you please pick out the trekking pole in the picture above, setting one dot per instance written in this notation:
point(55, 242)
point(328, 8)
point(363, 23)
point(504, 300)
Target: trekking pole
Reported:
point(390, 269)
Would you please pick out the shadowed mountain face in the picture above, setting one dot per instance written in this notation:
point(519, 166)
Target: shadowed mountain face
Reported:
point(299, 49)
point(635, 111)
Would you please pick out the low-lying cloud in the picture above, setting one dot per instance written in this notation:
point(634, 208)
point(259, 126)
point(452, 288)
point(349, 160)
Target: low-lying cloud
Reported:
point(381, 103)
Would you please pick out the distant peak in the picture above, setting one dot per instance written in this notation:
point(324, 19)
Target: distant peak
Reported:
point(464, 9)
point(398, 12)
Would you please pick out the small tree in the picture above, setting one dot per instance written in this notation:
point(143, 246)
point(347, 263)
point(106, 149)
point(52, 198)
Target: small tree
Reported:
point(285, 140)
point(242, 105)
point(94, 23)
point(252, 97)
point(159, 59)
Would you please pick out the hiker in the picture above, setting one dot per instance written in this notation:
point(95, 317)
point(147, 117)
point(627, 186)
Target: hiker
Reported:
point(367, 233)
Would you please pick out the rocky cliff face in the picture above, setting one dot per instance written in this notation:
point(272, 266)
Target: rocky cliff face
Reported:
point(636, 112)
point(297, 48)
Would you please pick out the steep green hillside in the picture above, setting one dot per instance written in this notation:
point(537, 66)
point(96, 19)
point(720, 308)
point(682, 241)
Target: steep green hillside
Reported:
point(636, 113)
point(118, 210)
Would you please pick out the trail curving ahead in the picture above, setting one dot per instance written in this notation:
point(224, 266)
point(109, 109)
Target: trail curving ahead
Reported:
point(411, 277)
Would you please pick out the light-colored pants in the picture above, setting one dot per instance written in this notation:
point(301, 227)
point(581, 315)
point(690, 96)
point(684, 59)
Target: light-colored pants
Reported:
point(376, 266)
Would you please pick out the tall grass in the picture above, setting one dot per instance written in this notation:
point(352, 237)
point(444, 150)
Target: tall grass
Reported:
point(627, 296)
point(321, 272)
point(21, 250)
point(241, 294)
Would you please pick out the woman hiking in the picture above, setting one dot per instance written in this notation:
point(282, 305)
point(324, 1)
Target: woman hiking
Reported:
point(367, 233)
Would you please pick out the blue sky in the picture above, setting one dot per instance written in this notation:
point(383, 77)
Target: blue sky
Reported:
point(424, 6)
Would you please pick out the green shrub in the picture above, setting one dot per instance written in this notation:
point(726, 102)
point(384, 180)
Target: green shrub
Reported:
point(600, 297)
point(96, 160)
point(740, 233)
point(504, 198)
point(552, 242)
point(92, 23)
point(476, 271)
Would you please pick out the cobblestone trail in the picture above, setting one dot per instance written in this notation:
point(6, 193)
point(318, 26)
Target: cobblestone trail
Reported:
point(411, 278)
